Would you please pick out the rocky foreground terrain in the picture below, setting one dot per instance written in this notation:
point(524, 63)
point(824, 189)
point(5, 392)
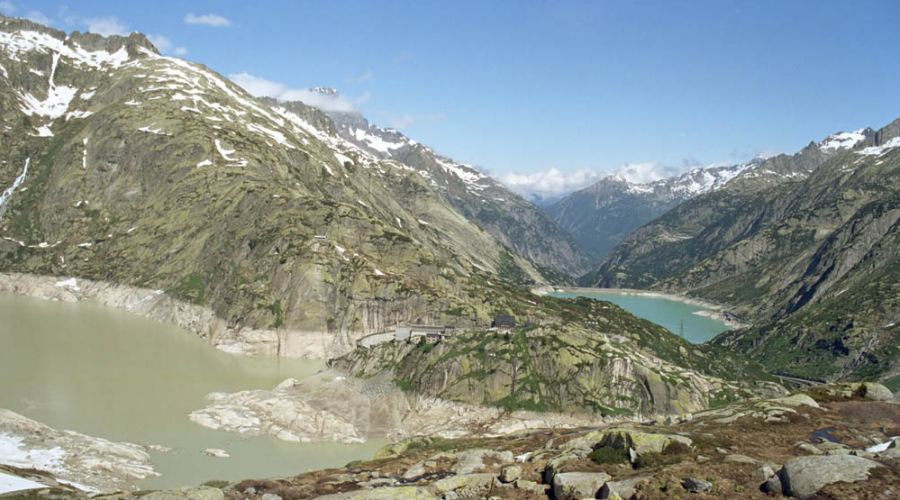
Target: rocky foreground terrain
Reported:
point(836, 441)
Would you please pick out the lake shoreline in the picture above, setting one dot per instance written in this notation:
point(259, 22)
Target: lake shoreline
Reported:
point(199, 320)
point(711, 310)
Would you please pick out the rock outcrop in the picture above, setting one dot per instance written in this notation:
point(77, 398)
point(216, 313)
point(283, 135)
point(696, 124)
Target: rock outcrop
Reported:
point(70, 458)
point(608, 364)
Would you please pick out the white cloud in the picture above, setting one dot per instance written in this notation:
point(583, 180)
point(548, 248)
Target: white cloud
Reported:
point(38, 17)
point(551, 182)
point(260, 86)
point(166, 46)
point(213, 20)
point(642, 173)
point(7, 7)
point(555, 182)
point(162, 43)
point(106, 26)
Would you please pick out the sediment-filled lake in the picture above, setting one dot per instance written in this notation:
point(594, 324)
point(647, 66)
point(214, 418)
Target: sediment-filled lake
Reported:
point(108, 373)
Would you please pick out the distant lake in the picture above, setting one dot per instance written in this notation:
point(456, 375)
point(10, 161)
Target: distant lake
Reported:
point(676, 316)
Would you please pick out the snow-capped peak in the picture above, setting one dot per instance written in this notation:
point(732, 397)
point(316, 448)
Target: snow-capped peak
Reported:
point(696, 181)
point(843, 140)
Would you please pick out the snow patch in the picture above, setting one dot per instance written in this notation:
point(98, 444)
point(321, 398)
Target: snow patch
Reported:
point(343, 159)
point(878, 448)
point(69, 284)
point(465, 173)
point(17, 42)
point(78, 114)
point(12, 452)
point(204, 163)
point(44, 131)
point(273, 134)
point(149, 130)
point(10, 483)
point(15, 185)
point(843, 140)
point(880, 150)
point(375, 142)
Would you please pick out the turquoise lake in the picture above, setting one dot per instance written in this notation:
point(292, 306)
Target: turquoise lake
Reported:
point(678, 317)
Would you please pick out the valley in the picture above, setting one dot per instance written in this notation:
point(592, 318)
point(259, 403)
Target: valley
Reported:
point(209, 292)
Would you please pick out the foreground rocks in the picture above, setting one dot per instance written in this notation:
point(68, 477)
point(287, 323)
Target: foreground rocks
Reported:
point(803, 477)
point(815, 448)
point(331, 407)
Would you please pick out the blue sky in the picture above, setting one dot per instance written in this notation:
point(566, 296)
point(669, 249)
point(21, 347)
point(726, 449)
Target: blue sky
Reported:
point(554, 92)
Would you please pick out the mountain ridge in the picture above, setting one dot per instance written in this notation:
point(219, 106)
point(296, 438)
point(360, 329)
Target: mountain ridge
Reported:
point(605, 212)
point(780, 244)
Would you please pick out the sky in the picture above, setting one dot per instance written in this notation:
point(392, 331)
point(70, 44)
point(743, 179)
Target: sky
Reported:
point(547, 96)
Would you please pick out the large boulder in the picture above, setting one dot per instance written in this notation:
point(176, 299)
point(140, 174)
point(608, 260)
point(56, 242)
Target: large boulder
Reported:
point(576, 485)
point(637, 442)
point(198, 493)
point(510, 473)
point(621, 488)
point(470, 461)
point(875, 392)
point(555, 465)
point(465, 484)
point(802, 477)
point(695, 485)
point(391, 493)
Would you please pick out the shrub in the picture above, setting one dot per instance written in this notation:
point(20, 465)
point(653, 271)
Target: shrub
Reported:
point(608, 455)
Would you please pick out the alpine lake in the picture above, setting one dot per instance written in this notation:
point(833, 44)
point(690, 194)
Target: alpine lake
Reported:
point(111, 374)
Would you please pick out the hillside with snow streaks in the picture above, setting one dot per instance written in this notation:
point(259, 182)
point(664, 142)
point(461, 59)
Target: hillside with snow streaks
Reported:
point(516, 223)
point(153, 171)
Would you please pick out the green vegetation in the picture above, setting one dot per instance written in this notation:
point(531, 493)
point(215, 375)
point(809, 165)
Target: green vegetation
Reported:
point(608, 455)
point(190, 288)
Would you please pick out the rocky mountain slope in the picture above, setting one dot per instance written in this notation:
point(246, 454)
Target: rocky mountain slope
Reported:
point(803, 245)
point(515, 222)
point(603, 214)
point(122, 165)
point(583, 356)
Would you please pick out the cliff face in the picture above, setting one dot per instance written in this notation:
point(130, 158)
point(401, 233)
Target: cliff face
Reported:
point(609, 363)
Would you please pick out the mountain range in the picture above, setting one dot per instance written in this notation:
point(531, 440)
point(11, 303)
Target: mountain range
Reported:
point(802, 245)
point(603, 214)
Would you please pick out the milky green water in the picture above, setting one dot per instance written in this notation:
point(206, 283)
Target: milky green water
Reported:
point(107, 373)
point(678, 317)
